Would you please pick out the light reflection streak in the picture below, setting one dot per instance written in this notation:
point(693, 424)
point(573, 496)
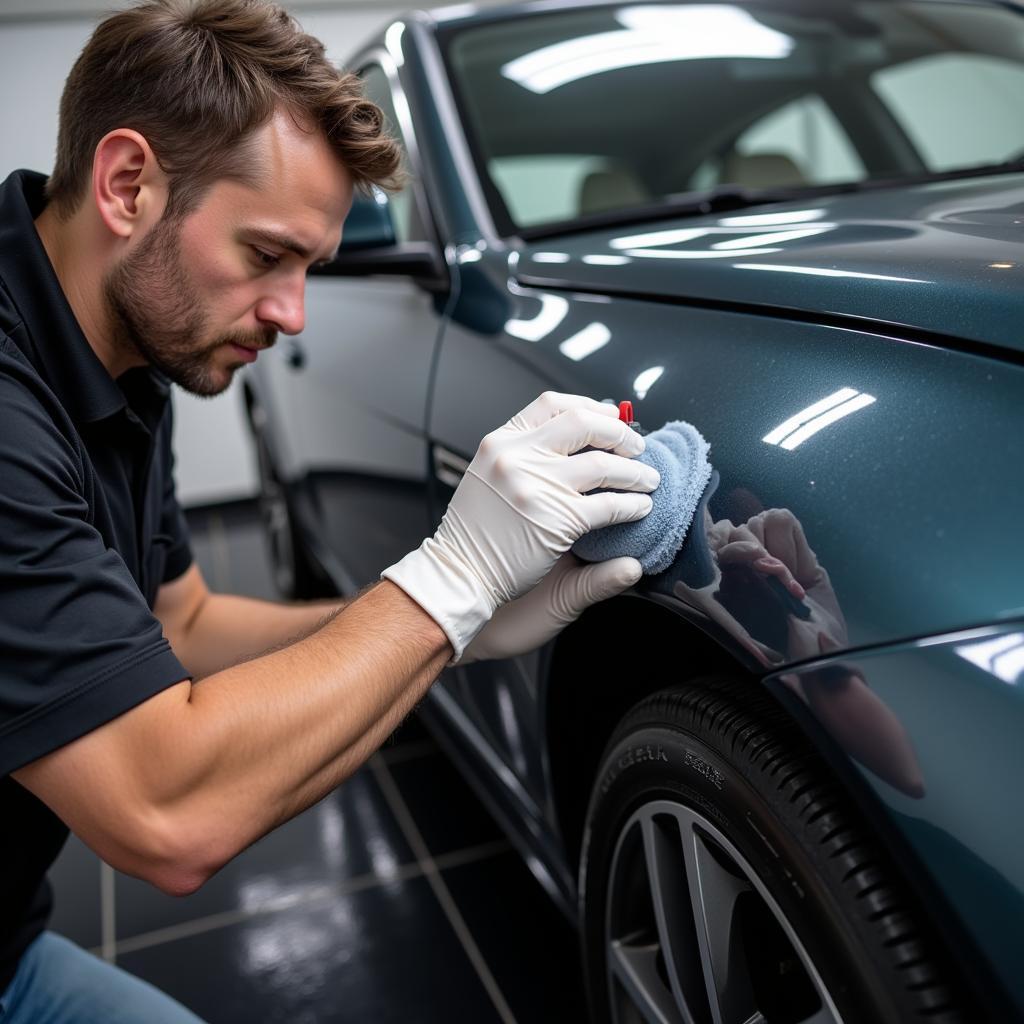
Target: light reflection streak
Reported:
point(773, 238)
point(1002, 657)
point(696, 254)
point(650, 35)
point(829, 402)
point(826, 272)
point(767, 219)
point(810, 429)
point(646, 380)
point(553, 310)
point(649, 238)
point(586, 342)
point(393, 42)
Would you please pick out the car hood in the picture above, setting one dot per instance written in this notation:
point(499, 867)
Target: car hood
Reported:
point(945, 257)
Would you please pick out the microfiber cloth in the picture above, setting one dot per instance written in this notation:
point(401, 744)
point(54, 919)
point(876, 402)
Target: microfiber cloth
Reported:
point(680, 454)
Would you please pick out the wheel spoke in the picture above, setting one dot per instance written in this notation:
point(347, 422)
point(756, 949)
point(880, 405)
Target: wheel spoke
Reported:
point(693, 934)
point(713, 895)
point(636, 968)
point(666, 873)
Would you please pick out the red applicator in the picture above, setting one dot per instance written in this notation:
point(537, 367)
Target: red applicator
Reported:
point(626, 415)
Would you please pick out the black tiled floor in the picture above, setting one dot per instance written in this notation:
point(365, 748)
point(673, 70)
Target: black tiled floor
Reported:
point(382, 955)
point(498, 898)
point(447, 813)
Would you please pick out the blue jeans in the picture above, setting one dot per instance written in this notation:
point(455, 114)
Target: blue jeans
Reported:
point(57, 982)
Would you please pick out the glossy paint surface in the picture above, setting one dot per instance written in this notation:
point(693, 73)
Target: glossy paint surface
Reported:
point(943, 257)
point(908, 503)
point(933, 729)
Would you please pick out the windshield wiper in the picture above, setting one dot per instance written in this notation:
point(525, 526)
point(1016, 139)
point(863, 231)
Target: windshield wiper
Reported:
point(723, 198)
point(720, 199)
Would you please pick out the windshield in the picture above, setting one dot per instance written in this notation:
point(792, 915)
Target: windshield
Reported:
point(597, 110)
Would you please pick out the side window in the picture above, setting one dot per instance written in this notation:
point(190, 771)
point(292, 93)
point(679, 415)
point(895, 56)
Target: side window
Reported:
point(801, 143)
point(405, 216)
point(978, 94)
point(559, 186)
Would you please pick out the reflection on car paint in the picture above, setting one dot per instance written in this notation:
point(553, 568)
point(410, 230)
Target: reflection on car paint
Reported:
point(762, 584)
point(806, 423)
point(1002, 657)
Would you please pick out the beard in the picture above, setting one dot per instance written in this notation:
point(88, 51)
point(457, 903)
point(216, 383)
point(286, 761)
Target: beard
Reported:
point(155, 312)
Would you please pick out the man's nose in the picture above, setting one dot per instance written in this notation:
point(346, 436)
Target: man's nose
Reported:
point(285, 307)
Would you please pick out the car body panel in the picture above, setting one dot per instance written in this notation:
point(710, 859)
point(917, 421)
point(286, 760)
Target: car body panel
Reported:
point(955, 699)
point(941, 257)
point(903, 561)
point(357, 449)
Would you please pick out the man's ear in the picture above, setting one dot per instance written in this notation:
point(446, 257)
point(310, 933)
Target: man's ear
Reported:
point(128, 185)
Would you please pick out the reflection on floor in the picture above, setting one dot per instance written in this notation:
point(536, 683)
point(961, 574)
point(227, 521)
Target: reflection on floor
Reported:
point(349, 912)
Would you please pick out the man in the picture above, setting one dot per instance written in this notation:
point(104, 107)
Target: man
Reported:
point(207, 156)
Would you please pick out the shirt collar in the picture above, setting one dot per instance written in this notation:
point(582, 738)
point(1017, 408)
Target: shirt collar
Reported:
point(59, 349)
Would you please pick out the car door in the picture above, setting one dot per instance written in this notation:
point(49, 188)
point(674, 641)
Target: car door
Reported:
point(358, 380)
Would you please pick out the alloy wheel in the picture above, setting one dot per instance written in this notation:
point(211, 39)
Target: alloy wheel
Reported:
point(694, 937)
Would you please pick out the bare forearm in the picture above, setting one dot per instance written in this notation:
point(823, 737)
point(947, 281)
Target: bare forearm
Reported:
point(257, 743)
point(230, 629)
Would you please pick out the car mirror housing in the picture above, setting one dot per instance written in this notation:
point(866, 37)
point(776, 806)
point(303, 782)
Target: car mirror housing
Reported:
point(368, 224)
point(419, 260)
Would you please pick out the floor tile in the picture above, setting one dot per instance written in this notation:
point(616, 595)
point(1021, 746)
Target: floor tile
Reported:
point(249, 571)
point(75, 877)
point(506, 911)
point(381, 956)
point(202, 554)
point(446, 811)
point(350, 833)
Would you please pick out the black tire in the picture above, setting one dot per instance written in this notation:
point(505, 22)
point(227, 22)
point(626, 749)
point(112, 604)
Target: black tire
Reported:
point(712, 793)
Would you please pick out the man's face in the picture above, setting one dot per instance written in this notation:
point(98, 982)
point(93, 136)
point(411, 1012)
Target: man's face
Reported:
point(199, 296)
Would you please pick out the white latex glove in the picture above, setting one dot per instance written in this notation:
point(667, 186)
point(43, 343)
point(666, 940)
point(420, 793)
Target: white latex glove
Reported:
point(522, 504)
point(561, 597)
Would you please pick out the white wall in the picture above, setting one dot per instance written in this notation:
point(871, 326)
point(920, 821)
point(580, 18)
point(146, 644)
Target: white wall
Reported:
point(39, 41)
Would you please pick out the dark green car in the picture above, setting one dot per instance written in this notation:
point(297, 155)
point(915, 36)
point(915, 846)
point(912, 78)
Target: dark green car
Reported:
point(779, 781)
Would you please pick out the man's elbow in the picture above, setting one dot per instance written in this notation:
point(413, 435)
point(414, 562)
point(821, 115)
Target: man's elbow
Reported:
point(170, 855)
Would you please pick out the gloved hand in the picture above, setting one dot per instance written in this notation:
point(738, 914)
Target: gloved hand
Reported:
point(522, 504)
point(561, 597)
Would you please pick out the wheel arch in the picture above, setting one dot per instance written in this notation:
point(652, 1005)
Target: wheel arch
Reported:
point(600, 666)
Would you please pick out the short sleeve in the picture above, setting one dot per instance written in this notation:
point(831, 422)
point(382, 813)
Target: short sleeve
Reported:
point(79, 643)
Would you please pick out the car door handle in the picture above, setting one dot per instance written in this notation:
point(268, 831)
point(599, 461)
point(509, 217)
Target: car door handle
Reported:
point(294, 355)
point(449, 467)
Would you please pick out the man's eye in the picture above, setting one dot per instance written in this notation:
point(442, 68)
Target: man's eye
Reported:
point(266, 259)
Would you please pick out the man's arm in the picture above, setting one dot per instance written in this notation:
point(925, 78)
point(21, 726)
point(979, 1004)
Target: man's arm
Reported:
point(176, 787)
point(209, 631)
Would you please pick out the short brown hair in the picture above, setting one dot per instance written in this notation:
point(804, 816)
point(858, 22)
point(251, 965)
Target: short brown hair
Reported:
point(196, 78)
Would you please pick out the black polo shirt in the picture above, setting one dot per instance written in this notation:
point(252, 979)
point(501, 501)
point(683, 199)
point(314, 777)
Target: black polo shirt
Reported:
point(89, 529)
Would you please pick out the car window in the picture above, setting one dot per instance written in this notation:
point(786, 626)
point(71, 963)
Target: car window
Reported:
point(549, 186)
point(405, 214)
point(980, 95)
point(801, 143)
point(627, 105)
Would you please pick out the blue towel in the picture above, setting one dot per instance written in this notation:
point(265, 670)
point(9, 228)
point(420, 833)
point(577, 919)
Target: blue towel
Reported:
point(679, 453)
